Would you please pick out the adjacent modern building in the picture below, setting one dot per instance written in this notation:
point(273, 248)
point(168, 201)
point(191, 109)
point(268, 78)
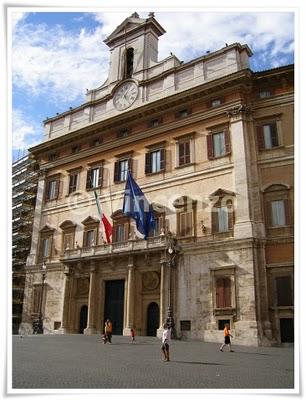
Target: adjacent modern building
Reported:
point(24, 186)
point(210, 143)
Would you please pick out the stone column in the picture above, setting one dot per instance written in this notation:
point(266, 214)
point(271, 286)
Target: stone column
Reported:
point(91, 328)
point(163, 295)
point(241, 157)
point(66, 299)
point(130, 298)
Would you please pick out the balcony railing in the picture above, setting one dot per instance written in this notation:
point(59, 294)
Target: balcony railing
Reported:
point(117, 247)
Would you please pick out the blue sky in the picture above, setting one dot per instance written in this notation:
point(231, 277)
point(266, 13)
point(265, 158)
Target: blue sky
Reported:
point(56, 56)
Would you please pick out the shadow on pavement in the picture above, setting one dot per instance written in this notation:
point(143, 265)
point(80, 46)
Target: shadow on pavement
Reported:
point(195, 363)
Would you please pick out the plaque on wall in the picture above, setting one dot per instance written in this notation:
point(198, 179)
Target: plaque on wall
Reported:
point(82, 286)
point(150, 280)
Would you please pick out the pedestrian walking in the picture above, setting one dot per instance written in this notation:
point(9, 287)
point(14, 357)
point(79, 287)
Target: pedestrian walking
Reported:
point(108, 329)
point(133, 334)
point(227, 337)
point(166, 337)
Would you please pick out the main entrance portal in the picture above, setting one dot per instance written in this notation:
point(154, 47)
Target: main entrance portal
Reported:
point(152, 319)
point(114, 302)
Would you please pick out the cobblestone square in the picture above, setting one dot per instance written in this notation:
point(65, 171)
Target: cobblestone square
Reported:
point(80, 361)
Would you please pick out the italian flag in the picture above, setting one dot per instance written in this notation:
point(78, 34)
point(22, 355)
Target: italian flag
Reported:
point(107, 225)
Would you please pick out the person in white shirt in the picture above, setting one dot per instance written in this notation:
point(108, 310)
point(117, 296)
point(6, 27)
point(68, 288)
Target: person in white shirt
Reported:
point(166, 337)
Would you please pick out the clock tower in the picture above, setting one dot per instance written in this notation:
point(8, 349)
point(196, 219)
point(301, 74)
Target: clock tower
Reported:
point(133, 48)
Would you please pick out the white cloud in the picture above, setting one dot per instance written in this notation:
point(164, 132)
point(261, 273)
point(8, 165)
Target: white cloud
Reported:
point(26, 132)
point(59, 65)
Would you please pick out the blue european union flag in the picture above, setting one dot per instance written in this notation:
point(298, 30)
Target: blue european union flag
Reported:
point(136, 206)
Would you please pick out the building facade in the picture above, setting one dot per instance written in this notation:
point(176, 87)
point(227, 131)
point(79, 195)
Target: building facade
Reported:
point(210, 143)
point(24, 187)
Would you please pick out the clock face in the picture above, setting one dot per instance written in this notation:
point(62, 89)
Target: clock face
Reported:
point(125, 95)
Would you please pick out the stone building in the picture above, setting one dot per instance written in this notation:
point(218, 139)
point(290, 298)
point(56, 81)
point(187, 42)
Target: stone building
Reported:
point(210, 142)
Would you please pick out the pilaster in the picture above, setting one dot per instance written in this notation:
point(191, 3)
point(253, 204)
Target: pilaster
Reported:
point(66, 301)
point(91, 328)
point(130, 297)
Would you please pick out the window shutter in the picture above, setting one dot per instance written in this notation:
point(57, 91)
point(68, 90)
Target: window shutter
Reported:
point(162, 159)
point(126, 230)
point(287, 211)
point(88, 180)
point(220, 293)
point(181, 153)
point(210, 150)
point(130, 165)
point(47, 189)
point(57, 189)
point(214, 220)
point(274, 136)
point(187, 152)
point(227, 142)
point(100, 180)
point(116, 171)
point(260, 138)
point(230, 215)
point(148, 168)
point(268, 213)
point(227, 292)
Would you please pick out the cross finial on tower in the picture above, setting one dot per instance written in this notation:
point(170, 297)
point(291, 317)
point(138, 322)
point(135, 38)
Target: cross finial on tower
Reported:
point(151, 14)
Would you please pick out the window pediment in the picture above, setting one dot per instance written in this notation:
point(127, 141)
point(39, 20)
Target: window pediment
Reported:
point(90, 220)
point(47, 229)
point(184, 201)
point(276, 187)
point(67, 224)
point(221, 193)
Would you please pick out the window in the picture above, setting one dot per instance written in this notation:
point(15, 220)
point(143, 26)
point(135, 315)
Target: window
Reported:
point(267, 136)
point(223, 292)
point(264, 93)
point(53, 156)
point(153, 123)
point(277, 206)
point(96, 142)
point(218, 144)
point(121, 168)
point(91, 229)
point(159, 224)
point(222, 211)
point(222, 322)
point(75, 149)
point(278, 215)
point(94, 177)
point(284, 291)
point(68, 228)
point(216, 102)
point(186, 214)
point(52, 189)
point(155, 161)
point(45, 243)
point(184, 152)
point(89, 238)
point(45, 247)
point(129, 62)
point(73, 181)
point(124, 132)
point(121, 227)
point(186, 223)
point(183, 113)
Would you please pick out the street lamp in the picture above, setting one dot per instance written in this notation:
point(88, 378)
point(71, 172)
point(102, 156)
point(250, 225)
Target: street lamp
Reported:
point(38, 324)
point(172, 251)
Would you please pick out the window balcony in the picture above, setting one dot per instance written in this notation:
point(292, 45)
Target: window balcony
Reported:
point(128, 246)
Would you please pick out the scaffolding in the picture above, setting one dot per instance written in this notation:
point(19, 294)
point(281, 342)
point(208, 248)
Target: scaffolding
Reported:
point(24, 189)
